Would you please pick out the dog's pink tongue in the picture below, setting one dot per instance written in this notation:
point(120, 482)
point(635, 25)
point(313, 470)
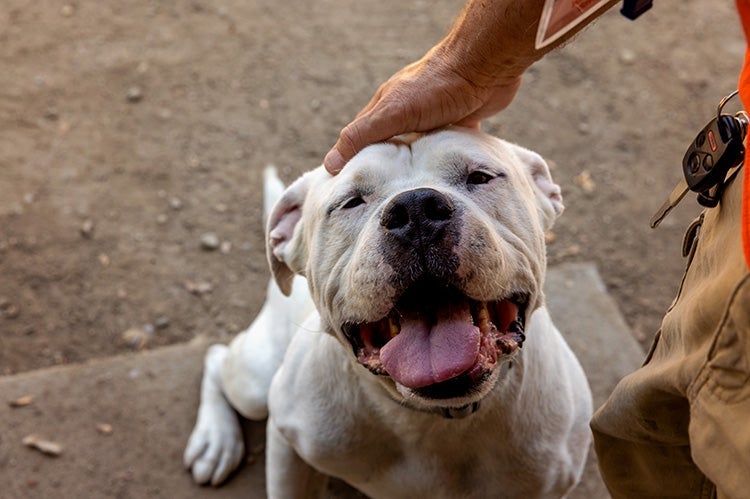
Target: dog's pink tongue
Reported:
point(424, 353)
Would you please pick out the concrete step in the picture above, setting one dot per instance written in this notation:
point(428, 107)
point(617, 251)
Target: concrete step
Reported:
point(150, 400)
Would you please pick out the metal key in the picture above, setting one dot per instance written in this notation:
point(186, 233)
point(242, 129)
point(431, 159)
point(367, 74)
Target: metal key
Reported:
point(673, 200)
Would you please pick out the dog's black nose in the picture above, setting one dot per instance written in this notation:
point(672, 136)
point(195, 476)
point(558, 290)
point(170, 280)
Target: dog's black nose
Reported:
point(418, 216)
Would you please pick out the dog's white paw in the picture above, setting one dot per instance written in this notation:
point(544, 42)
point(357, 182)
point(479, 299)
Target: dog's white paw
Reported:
point(215, 447)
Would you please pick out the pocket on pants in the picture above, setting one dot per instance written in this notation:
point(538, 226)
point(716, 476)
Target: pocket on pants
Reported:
point(727, 369)
point(720, 401)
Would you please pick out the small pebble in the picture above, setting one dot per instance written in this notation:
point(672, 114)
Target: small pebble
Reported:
point(627, 56)
point(175, 203)
point(51, 114)
point(161, 322)
point(135, 338)
point(87, 228)
point(135, 94)
point(63, 127)
point(11, 311)
point(210, 241)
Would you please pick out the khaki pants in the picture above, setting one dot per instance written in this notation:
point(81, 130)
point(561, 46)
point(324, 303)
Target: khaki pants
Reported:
point(680, 425)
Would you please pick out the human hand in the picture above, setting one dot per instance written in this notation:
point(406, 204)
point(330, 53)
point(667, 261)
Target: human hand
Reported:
point(436, 91)
point(472, 74)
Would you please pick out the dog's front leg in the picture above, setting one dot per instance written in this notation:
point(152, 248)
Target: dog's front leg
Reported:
point(215, 447)
point(287, 475)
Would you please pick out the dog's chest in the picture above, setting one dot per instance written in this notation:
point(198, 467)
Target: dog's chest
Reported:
point(391, 468)
point(386, 451)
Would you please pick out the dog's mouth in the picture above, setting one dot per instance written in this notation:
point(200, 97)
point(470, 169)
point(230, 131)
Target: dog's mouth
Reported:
point(439, 342)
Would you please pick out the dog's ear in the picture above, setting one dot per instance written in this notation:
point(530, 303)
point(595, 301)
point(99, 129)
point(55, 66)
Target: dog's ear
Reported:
point(548, 192)
point(284, 244)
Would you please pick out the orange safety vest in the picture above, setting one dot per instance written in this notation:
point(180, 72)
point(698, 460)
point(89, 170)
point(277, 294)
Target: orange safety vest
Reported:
point(743, 7)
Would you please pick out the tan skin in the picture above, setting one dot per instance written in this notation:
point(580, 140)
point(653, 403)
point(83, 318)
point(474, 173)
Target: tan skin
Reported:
point(470, 75)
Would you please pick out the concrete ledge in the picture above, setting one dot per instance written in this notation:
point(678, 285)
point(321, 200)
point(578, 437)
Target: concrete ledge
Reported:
point(594, 328)
point(150, 400)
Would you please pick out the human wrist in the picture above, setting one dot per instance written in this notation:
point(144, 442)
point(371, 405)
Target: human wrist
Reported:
point(486, 44)
point(479, 68)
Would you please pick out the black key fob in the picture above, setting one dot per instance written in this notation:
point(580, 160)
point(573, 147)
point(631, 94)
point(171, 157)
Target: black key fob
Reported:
point(715, 150)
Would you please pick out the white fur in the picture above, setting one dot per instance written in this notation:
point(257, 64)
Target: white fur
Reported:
point(327, 414)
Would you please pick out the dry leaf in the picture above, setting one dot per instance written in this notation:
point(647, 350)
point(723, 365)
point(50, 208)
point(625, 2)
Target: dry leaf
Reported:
point(21, 401)
point(104, 428)
point(47, 447)
point(572, 250)
point(585, 182)
point(199, 288)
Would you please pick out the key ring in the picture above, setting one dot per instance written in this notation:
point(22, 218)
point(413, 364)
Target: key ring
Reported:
point(724, 101)
point(743, 120)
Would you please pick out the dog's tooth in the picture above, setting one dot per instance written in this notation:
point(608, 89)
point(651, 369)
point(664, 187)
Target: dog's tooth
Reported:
point(483, 315)
point(393, 326)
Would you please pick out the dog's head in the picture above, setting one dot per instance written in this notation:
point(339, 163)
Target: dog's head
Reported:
point(425, 259)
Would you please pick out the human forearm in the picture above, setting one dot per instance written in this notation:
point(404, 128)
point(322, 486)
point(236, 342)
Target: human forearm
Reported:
point(494, 40)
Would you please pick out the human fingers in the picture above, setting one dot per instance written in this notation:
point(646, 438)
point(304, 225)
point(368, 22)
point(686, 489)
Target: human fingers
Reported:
point(378, 120)
point(421, 97)
point(376, 123)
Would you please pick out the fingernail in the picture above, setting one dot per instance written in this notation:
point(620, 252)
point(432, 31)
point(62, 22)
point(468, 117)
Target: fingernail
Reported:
point(333, 161)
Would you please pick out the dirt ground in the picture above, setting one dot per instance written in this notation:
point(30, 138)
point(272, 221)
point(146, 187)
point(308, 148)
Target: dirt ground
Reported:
point(133, 135)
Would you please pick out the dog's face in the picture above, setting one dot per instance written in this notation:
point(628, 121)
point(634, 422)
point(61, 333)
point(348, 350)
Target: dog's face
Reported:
point(424, 259)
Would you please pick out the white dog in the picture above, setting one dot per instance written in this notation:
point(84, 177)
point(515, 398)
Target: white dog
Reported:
point(397, 366)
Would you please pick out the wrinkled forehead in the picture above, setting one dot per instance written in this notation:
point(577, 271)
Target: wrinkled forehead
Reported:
point(470, 146)
point(426, 160)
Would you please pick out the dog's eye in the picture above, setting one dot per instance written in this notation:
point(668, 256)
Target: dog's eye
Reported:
point(352, 203)
point(478, 177)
